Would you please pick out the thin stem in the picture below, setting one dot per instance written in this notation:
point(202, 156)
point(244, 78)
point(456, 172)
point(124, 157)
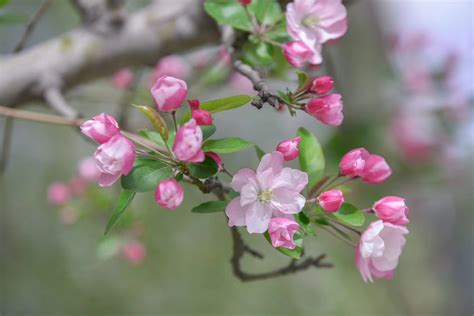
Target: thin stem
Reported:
point(343, 182)
point(173, 115)
point(337, 236)
point(39, 117)
point(358, 232)
point(224, 170)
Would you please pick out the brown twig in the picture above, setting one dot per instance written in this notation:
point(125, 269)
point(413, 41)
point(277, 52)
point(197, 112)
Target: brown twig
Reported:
point(39, 117)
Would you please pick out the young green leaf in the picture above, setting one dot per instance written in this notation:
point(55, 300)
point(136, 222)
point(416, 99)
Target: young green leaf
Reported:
point(293, 253)
point(145, 175)
point(207, 131)
point(303, 79)
point(210, 207)
point(311, 157)
point(154, 117)
point(220, 105)
point(124, 201)
point(259, 151)
point(268, 12)
point(226, 145)
point(350, 214)
point(305, 224)
point(153, 136)
point(228, 12)
point(205, 169)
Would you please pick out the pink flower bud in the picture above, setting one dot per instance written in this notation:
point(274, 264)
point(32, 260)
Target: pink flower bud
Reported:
point(245, 2)
point(58, 193)
point(172, 65)
point(133, 251)
point(392, 209)
point(216, 158)
point(88, 169)
point(321, 85)
point(123, 79)
point(353, 163)
point(188, 142)
point(194, 104)
point(289, 148)
point(100, 128)
point(202, 117)
point(281, 231)
point(169, 194)
point(331, 200)
point(169, 93)
point(327, 109)
point(298, 54)
point(376, 170)
point(114, 159)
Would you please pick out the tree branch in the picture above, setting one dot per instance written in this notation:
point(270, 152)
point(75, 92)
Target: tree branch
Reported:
point(81, 55)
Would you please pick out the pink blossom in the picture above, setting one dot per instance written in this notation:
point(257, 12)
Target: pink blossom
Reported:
point(392, 209)
point(281, 231)
point(188, 142)
point(100, 128)
point(270, 191)
point(321, 85)
point(114, 159)
point(88, 170)
point(316, 21)
point(289, 148)
point(123, 79)
point(133, 251)
point(327, 109)
point(353, 163)
point(202, 117)
point(298, 54)
point(379, 249)
point(216, 158)
point(169, 194)
point(58, 193)
point(169, 93)
point(331, 200)
point(376, 170)
point(172, 65)
point(241, 84)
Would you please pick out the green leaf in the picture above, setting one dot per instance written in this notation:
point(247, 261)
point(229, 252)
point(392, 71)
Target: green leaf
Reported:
point(210, 207)
point(305, 224)
point(4, 3)
point(205, 169)
point(311, 157)
point(228, 12)
point(154, 117)
point(350, 214)
point(145, 175)
point(207, 131)
point(259, 151)
point(124, 201)
point(220, 105)
point(267, 11)
point(303, 79)
point(263, 52)
point(293, 253)
point(226, 145)
point(153, 136)
point(284, 97)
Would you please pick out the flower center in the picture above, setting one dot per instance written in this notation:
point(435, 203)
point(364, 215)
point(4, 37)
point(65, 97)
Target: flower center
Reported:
point(311, 21)
point(265, 196)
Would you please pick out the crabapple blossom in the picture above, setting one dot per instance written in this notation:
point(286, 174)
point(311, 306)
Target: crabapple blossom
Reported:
point(58, 193)
point(321, 85)
point(188, 142)
point(327, 109)
point(172, 65)
point(392, 209)
point(123, 79)
point(88, 170)
point(297, 53)
point(316, 21)
point(100, 128)
point(270, 191)
point(331, 200)
point(289, 148)
point(281, 231)
point(353, 163)
point(169, 194)
point(379, 249)
point(169, 93)
point(376, 170)
point(133, 251)
point(114, 159)
point(202, 117)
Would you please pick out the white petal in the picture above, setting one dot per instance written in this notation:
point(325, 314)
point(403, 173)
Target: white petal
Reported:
point(257, 218)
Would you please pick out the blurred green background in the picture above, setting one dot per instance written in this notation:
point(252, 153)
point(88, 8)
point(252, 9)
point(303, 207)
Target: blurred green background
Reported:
point(48, 268)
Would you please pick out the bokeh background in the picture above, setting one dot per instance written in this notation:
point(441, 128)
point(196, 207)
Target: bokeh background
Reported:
point(405, 70)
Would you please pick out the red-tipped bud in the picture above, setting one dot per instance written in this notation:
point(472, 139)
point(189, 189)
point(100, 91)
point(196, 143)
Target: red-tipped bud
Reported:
point(321, 85)
point(245, 2)
point(194, 104)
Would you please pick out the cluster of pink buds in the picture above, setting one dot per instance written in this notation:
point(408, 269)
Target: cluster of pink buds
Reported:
point(371, 169)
